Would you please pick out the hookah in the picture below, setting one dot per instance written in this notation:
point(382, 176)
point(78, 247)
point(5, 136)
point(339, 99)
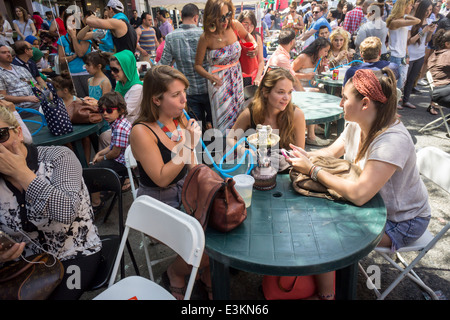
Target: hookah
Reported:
point(261, 144)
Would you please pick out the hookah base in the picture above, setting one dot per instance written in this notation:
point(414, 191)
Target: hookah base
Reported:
point(264, 182)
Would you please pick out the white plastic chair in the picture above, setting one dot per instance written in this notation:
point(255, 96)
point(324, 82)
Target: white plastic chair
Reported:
point(443, 119)
point(131, 163)
point(179, 231)
point(434, 164)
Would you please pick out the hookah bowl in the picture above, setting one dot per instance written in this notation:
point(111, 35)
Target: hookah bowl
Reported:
point(264, 174)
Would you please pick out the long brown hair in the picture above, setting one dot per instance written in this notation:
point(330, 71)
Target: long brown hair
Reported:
point(386, 112)
point(156, 83)
point(213, 13)
point(285, 119)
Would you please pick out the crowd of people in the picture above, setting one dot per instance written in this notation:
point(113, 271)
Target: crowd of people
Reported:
point(198, 66)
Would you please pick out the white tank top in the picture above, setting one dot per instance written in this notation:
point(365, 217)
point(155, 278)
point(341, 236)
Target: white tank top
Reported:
point(397, 41)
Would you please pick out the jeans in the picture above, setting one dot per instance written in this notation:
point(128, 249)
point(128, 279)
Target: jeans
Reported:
point(402, 69)
point(199, 104)
point(413, 71)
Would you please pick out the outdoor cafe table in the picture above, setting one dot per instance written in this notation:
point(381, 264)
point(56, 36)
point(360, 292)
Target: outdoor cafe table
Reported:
point(320, 108)
point(286, 234)
point(329, 83)
point(45, 138)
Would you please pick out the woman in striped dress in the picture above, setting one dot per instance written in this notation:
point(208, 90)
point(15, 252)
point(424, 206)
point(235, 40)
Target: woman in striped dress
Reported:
point(220, 44)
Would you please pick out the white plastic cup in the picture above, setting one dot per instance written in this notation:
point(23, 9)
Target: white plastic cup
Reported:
point(244, 186)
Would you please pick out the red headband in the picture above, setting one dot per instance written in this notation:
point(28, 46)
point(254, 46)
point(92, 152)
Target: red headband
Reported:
point(368, 85)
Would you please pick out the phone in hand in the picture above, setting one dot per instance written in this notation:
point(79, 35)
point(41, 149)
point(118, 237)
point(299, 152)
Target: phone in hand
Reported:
point(5, 242)
point(286, 154)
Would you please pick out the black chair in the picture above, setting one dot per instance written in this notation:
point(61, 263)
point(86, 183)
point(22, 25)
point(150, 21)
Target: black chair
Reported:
point(104, 179)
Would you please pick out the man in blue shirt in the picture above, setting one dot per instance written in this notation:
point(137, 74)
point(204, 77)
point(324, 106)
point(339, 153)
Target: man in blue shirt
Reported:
point(319, 21)
point(180, 47)
point(370, 50)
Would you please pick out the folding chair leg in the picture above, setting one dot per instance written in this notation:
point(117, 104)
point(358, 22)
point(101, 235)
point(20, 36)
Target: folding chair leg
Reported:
point(444, 120)
point(407, 273)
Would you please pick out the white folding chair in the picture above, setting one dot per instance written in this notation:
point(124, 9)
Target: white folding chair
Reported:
point(131, 163)
point(179, 231)
point(443, 119)
point(434, 164)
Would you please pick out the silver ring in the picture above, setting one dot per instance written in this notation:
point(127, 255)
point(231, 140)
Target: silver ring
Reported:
point(214, 83)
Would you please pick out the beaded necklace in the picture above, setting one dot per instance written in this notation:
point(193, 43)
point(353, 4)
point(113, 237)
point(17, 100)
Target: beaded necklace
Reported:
point(171, 136)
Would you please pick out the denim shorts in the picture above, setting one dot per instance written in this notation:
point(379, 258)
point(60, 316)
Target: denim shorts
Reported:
point(406, 232)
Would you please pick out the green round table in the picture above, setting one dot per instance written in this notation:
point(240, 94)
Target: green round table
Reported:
point(45, 138)
point(329, 83)
point(287, 234)
point(320, 108)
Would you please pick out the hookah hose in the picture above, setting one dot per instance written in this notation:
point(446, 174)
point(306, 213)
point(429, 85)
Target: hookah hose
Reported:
point(222, 171)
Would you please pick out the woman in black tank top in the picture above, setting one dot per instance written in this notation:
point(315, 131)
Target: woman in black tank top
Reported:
point(163, 142)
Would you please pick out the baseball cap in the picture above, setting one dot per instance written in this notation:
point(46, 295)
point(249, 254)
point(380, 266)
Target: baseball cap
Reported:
point(115, 4)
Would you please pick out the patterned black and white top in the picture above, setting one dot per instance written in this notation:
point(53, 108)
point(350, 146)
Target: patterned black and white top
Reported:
point(57, 202)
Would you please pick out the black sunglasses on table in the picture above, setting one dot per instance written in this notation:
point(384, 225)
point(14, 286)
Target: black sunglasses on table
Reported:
point(4, 133)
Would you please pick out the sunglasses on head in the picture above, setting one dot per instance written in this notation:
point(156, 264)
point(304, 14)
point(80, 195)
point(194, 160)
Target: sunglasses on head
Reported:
point(115, 70)
point(226, 16)
point(4, 133)
point(107, 109)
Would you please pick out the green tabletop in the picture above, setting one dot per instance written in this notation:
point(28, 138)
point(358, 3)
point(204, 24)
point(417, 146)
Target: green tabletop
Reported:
point(320, 108)
point(329, 83)
point(45, 138)
point(289, 234)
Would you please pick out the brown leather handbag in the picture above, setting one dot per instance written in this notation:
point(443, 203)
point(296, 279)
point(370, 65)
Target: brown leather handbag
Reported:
point(81, 112)
point(34, 280)
point(306, 186)
point(212, 200)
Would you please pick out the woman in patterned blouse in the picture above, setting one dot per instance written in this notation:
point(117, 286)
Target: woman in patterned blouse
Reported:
point(45, 206)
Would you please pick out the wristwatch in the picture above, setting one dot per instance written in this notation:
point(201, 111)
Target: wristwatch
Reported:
point(104, 157)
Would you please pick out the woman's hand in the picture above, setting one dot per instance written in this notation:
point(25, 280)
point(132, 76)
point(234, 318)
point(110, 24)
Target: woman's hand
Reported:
point(193, 134)
point(90, 101)
point(12, 253)
point(12, 163)
point(300, 161)
point(216, 81)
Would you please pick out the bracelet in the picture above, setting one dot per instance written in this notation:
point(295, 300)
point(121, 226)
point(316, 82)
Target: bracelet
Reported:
point(311, 169)
point(315, 172)
point(104, 157)
point(192, 149)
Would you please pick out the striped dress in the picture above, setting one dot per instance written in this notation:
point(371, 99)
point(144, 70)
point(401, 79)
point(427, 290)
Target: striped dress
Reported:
point(227, 101)
point(147, 39)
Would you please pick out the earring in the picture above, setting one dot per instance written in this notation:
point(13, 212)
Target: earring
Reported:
point(213, 27)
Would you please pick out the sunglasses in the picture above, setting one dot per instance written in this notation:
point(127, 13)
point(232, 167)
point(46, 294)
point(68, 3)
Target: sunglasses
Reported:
point(315, 12)
point(107, 109)
point(4, 133)
point(226, 16)
point(115, 70)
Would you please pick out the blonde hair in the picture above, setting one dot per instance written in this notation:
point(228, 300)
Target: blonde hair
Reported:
point(398, 11)
point(156, 83)
point(285, 119)
point(334, 34)
point(370, 48)
point(9, 118)
point(213, 12)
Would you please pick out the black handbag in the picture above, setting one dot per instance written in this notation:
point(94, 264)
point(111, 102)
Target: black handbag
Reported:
point(55, 112)
point(34, 279)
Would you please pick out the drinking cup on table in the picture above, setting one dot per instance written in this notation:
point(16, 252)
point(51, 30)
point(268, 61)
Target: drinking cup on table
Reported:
point(244, 186)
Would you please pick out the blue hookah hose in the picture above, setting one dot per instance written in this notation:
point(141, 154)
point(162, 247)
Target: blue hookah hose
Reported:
point(317, 65)
point(222, 171)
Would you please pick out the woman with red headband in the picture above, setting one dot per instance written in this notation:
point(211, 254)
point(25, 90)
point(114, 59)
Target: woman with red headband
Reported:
point(380, 144)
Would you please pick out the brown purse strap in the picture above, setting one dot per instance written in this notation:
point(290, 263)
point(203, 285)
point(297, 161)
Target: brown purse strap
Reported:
point(26, 266)
point(283, 288)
